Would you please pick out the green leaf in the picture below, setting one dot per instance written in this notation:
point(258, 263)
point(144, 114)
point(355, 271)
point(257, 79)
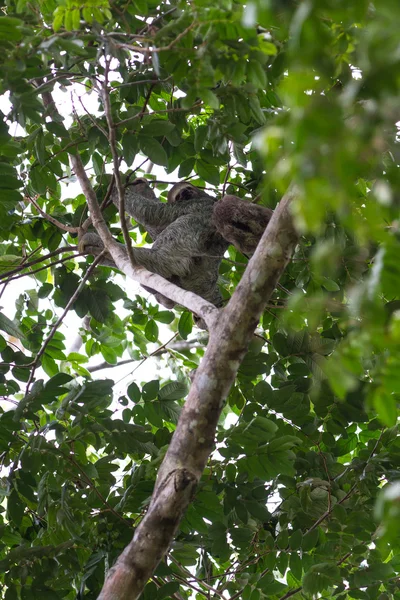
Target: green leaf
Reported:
point(296, 566)
point(40, 147)
point(167, 590)
point(98, 164)
point(9, 29)
point(310, 540)
point(185, 324)
point(15, 508)
point(296, 539)
point(150, 390)
point(130, 147)
point(9, 327)
point(153, 149)
point(173, 391)
point(98, 304)
point(164, 316)
point(10, 182)
point(385, 405)
point(68, 24)
point(58, 20)
point(207, 172)
point(151, 331)
point(186, 167)
point(157, 127)
point(320, 577)
point(210, 98)
point(76, 18)
point(329, 285)
point(87, 14)
point(9, 262)
point(133, 392)
point(38, 180)
point(256, 74)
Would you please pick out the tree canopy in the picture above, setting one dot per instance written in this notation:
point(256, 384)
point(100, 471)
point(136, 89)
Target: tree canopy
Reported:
point(300, 494)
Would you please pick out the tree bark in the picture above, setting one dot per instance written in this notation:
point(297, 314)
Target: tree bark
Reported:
point(193, 439)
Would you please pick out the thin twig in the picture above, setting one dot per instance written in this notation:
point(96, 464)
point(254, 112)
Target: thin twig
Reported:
point(115, 157)
point(160, 112)
point(51, 219)
point(177, 347)
point(52, 264)
point(157, 351)
point(56, 325)
point(95, 123)
point(95, 490)
point(21, 267)
point(153, 50)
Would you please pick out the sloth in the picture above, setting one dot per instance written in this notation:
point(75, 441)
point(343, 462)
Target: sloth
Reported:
point(187, 248)
point(241, 223)
point(190, 233)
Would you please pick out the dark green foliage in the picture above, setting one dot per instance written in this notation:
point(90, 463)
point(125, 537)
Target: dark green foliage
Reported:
point(242, 98)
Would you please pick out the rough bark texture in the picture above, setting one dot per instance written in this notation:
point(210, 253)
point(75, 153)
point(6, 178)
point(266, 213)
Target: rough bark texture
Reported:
point(193, 439)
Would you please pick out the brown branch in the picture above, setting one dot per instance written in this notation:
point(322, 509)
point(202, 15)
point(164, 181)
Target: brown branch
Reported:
point(37, 260)
point(87, 222)
point(52, 264)
point(207, 311)
point(160, 112)
point(51, 219)
point(179, 346)
point(193, 439)
point(141, 50)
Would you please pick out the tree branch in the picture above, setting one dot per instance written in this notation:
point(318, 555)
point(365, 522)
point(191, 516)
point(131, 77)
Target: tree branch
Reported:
point(193, 439)
point(180, 346)
point(51, 219)
point(27, 265)
point(207, 311)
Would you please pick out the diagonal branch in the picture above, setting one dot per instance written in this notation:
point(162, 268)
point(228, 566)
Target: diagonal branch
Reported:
point(193, 439)
point(51, 219)
point(207, 311)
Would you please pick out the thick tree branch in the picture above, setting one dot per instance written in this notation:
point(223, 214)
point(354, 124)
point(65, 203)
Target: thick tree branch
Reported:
point(207, 311)
point(193, 439)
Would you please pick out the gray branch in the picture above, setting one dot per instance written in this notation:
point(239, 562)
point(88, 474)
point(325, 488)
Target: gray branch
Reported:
point(193, 439)
point(207, 311)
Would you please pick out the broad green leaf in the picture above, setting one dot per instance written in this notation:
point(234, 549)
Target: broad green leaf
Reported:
point(207, 172)
point(175, 390)
point(320, 577)
point(185, 324)
point(153, 149)
point(9, 327)
point(133, 392)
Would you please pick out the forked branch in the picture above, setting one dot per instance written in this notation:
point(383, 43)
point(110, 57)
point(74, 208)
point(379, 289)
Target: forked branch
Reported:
point(193, 439)
point(207, 311)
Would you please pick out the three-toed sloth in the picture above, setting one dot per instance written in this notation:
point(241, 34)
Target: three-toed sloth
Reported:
point(191, 233)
